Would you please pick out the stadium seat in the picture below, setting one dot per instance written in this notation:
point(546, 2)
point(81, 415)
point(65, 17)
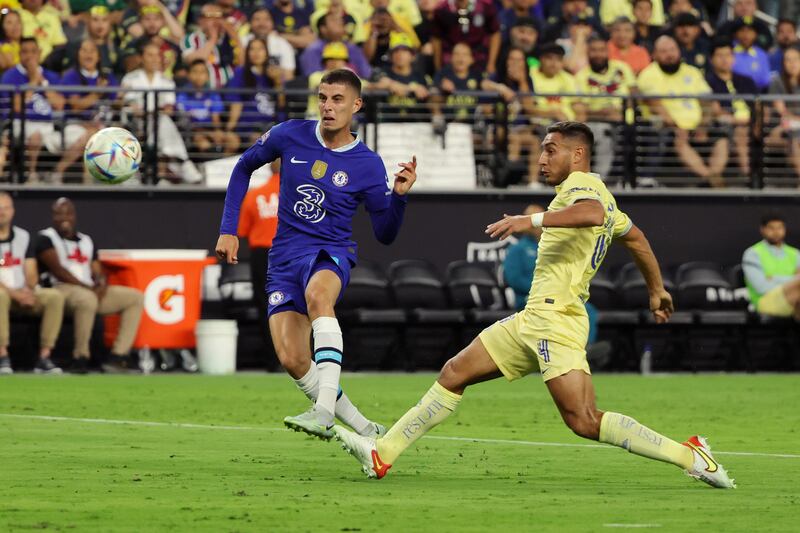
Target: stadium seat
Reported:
point(603, 291)
point(417, 285)
point(368, 288)
point(472, 286)
point(702, 285)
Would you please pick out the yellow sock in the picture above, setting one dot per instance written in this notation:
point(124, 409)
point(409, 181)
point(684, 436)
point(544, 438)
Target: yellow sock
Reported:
point(627, 433)
point(432, 409)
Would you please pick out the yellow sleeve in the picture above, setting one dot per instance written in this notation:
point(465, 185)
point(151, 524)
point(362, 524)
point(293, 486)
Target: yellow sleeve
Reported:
point(646, 81)
point(622, 224)
point(628, 76)
point(580, 186)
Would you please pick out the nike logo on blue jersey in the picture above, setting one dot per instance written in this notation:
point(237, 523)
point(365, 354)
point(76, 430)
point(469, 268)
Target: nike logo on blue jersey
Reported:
point(296, 161)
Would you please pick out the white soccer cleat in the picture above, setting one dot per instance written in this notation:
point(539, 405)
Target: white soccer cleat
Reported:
point(374, 430)
point(364, 450)
point(705, 467)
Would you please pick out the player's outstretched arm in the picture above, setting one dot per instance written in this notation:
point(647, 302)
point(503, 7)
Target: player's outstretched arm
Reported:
point(639, 248)
point(581, 214)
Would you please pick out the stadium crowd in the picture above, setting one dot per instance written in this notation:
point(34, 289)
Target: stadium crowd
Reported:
point(429, 55)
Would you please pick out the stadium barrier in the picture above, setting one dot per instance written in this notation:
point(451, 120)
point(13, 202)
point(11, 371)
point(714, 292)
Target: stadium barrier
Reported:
point(494, 143)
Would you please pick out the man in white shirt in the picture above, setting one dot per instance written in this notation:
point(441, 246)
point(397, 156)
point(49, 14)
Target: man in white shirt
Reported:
point(170, 141)
point(20, 294)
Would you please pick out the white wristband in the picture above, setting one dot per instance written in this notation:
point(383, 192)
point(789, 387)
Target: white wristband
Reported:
point(537, 219)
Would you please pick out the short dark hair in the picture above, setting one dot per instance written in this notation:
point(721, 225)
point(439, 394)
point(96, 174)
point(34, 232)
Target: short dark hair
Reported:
point(574, 130)
point(343, 76)
point(772, 216)
point(322, 21)
point(198, 61)
point(28, 40)
point(720, 42)
point(595, 37)
point(786, 21)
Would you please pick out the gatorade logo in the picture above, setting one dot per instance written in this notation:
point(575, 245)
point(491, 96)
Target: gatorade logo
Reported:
point(164, 301)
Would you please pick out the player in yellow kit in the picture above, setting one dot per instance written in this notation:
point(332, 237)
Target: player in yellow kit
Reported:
point(550, 334)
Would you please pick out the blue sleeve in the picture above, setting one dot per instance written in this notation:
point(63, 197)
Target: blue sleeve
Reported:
point(265, 150)
point(514, 271)
point(385, 208)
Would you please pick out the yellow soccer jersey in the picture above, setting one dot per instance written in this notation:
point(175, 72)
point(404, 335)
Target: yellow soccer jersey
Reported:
point(561, 83)
point(617, 80)
point(686, 112)
point(569, 257)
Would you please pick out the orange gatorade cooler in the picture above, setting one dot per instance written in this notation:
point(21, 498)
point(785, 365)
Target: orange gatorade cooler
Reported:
point(170, 281)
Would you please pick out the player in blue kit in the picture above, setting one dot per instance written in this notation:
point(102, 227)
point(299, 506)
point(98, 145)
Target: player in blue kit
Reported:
point(326, 172)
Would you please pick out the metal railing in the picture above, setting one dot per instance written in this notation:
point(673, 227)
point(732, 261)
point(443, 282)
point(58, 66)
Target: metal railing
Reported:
point(635, 147)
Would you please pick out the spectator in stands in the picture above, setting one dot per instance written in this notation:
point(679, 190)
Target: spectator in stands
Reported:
point(771, 271)
point(99, 31)
point(39, 106)
point(263, 27)
point(611, 10)
point(204, 110)
point(690, 7)
point(171, 143)
point(258, 222)
point(743, 9)
point(621, 47)
point(20, 292)
point(331, 30)
point(159, 27)
point(785, 36)
point(216, 42)
point(749, 58)
point(353, 23)
point(457, 76)
point(787, 82)
point(604, 76)
point(523, 35)
point(691, 39)
point(293, 23)
point(10, 37)
point(381, 30)
point(558, 26)
point(550, 79)
point(44, 24)
point(252, 114)
point(646, 32)
point(469, 21)
point(520, 9)
point(516, 88)
point(153, 18)
point(408, 87)
point(734, 114)
point(334, 56)
point(70, 260)
point(403, 11)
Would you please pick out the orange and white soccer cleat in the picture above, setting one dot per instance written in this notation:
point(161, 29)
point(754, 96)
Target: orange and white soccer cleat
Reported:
point(364, 449)
point(705, 467)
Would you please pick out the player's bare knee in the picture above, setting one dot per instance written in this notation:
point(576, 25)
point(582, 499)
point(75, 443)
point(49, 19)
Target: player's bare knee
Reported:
point(583, 423)
point(293, 361)
point(318, 303)
point(451, 377)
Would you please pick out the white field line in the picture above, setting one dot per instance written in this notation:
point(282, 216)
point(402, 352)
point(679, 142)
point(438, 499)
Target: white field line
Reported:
point(632, 526)
point(185, 425)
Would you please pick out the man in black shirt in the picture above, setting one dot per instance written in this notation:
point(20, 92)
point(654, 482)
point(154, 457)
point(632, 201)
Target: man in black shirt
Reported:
point(409, 88)
point(693, 42)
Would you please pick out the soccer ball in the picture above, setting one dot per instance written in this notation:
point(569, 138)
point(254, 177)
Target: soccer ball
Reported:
point(112, 155)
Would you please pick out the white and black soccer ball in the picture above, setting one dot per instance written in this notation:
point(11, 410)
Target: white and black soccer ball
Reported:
point(112, 155)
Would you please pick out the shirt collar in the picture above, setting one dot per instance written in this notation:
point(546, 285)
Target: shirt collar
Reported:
point(344, 148)
point(24, 72)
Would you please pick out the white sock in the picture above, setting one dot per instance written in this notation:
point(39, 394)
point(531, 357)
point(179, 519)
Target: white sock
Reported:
point(328, 356)
point(345, 410)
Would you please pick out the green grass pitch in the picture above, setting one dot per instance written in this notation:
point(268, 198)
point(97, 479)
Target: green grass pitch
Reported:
point(252, 475)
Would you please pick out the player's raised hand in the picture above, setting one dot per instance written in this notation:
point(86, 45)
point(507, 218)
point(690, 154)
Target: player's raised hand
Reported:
point(661, 306)
point(509, 225)
point(228, 249)
point(404, 180)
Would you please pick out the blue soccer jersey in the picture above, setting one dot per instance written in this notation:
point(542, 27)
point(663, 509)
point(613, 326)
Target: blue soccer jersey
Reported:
point(320, 190)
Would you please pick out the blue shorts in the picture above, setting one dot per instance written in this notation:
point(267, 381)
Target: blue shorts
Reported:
point(286, 282)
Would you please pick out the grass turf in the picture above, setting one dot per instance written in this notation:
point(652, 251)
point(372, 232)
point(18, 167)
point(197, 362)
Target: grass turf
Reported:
point(90, 476)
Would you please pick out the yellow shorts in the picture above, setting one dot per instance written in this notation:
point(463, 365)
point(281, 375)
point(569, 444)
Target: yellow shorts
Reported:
point(774, 303)
point(550, 342)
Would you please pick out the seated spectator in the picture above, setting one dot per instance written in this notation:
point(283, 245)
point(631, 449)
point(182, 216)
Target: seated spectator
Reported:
point(171, 143)
point(516, 88)
point(160, 28)
point(690, 7)
point(455, 77)
point(734, 114)
point(749, 58)
point(93, 110)
point(787, 82)
point(20, 293)
point(10, 37)
point(293, 23)
point(466, 21)
point(523, 36)
point(263, 27)
point(551, 80)
point(520, 9)
point(331, 30)
point(611, 10)
point(604, 76)
point(558, 26)
point(39, 106)
point(748, 8)
point(252, 114)
point(408, 87)
point(785, 36)
point(693, 43)
point(151, 17)
point(70, 262)
point(99, 31)
point(353, 22)
point(668, 74)
point(646, 32)
point(381, 29)
point(43, 23)
point(216, 42)
point(204, 110)
point(771, 269)
point(621, 47)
